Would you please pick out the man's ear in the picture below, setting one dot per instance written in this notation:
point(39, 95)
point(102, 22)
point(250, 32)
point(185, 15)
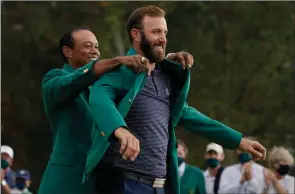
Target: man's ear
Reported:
point(135, 33)
point(67, 52)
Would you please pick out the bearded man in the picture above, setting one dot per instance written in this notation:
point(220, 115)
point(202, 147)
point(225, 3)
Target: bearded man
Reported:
point(134, 150)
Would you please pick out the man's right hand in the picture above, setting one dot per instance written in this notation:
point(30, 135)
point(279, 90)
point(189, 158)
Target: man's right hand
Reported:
point(137, 62)
point(129, 144)
point(248, 171)
point(254, 148)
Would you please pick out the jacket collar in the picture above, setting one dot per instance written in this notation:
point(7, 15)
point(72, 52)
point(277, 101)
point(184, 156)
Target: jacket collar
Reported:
point(68, 68)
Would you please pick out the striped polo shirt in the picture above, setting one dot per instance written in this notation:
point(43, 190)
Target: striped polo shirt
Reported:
point(148, 120)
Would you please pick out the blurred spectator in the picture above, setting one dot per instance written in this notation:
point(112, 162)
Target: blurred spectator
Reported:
point(4, 187)
point(213, 157)
point(192, 180)
point(245, 177)
point(7, 154)
point(276, 178)
point(23, 182)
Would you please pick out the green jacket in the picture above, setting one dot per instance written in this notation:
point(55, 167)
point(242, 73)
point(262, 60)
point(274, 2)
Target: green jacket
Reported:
point(72, 126)
point(112, 96)
point(192, 181)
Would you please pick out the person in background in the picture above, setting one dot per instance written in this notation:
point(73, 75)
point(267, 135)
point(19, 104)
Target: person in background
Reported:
point(192, 180)
point(214, 156)
point(4, 187)
point(22, 182)
point(245, 177)
point(7, 154)
point(277, 179)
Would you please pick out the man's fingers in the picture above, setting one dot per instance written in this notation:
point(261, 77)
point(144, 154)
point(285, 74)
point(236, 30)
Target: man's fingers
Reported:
point(187, 59)
point(151, 68)
point(132, 149)
point(139, 63)
point(257, 146)
point(137, 150)
point(190, 62)
point(129, 149)
point(146, 66)
point(123, 145)
point(255, 154)
point(182, 61)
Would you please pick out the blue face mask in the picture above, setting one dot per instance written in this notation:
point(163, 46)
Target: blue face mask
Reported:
point(180, 161)
point(245, 157)
point(20, 185)
point(212, 162)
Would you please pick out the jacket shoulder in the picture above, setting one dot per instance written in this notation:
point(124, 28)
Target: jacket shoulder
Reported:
point(195, 169)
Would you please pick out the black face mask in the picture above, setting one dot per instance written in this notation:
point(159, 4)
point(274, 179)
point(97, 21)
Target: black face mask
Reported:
point(283, 170)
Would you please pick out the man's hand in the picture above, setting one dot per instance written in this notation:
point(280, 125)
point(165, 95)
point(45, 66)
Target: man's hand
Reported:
point(129, 144)
point(269, 175)
point(254, 148)
point(184, 58)
point(137, 62)
point(248, 171)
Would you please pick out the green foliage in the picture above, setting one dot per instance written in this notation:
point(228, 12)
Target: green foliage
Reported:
point(244, 72)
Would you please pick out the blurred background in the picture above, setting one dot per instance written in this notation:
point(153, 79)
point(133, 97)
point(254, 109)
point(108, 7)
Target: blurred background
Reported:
point(243, 76)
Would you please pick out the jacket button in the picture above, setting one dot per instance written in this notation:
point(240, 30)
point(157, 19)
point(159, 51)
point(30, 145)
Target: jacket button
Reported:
point(130, 100)
point(102, 134)
point(86, 70)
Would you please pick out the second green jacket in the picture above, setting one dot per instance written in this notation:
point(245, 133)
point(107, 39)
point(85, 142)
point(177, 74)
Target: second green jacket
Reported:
point(192, 181)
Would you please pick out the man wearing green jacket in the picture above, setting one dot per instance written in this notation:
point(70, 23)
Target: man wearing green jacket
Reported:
point(134, 148)
point(192, 180)
point(65, 94)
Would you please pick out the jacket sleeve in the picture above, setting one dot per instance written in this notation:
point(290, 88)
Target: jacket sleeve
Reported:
point(103, 95)
point(59, 86)
point(209, 129)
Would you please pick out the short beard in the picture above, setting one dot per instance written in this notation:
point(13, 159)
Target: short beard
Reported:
point(147, 49)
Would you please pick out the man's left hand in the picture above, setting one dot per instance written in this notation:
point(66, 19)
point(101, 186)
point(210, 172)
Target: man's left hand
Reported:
point(185, 59)
point(254, 148)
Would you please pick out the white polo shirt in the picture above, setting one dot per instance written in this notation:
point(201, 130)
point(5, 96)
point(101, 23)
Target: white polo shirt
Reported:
point(209, 182)
point(287, 182)
point(231, 176)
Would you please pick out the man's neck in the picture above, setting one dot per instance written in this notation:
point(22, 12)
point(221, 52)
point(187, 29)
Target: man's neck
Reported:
point(73, 65)
point(213, 171)
point(138, 50)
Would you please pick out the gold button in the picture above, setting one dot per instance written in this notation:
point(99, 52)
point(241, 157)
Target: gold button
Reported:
point(86, 70)
point(130, 100)
point(102, 134)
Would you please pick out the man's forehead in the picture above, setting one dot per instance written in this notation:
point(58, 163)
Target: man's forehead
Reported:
point(154, 22)
point(84, 36)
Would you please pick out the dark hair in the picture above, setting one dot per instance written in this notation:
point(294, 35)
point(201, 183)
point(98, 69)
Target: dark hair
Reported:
point(67, 40)
point(136, 17)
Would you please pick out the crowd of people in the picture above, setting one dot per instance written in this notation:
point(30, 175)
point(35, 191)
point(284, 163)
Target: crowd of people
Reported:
point(17, 182)
point(244, 177)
